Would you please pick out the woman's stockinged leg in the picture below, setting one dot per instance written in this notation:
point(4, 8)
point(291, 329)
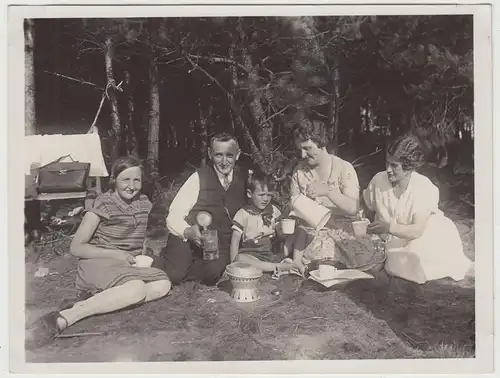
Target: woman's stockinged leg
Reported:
point(157, 289)
point(115, 298)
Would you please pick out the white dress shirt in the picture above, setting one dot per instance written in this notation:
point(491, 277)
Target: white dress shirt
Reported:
point(185, 200)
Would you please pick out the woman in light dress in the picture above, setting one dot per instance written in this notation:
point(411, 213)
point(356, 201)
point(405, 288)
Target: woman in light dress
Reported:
point(422, 244)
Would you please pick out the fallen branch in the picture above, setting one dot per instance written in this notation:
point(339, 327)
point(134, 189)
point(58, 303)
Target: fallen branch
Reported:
point(104, 96)
point(363, 156)
point(358, 165)
point(74, 79)
point(114, 86)
point(466, 201)
point(92, 127)
point(69, 335)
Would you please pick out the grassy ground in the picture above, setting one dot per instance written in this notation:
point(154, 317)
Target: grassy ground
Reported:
point(373, 319)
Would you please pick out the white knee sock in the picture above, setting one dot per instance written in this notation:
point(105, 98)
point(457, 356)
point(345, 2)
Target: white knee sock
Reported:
point(109, 300)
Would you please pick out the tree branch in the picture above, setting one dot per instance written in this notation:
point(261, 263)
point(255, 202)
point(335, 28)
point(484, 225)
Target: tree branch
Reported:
point(274, 115)
point(219, 59)
point(255, 149)
point(74, 79)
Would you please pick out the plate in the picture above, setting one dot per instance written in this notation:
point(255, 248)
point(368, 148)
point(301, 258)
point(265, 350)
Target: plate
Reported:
point(341, 275)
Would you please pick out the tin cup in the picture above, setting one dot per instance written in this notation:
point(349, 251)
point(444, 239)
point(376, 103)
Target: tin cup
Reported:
point(288, 226)
point(143, 261)
point(359, 227)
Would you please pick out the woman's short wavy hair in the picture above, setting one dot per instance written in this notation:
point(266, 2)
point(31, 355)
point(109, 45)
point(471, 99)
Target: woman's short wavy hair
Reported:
point(408, 151)
point(305, 132)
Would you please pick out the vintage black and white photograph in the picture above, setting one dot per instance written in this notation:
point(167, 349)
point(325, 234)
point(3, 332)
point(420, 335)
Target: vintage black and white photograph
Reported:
point(250, 187)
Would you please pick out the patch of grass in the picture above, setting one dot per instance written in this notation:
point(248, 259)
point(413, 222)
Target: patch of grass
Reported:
point(450, 351)
point(197, 322)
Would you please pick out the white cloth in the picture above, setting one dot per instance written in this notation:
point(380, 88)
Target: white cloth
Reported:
point(438, 253)
point(85, 148)
point(184, 201)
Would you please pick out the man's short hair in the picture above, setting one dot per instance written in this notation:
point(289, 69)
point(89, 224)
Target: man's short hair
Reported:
point(223, 137)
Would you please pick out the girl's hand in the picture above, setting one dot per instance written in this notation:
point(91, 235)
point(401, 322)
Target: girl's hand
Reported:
point(378, 227)
point(317, 189)
point(125, 256)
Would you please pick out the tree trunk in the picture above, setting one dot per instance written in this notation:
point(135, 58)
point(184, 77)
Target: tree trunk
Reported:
point(154, 121)
point(203, 132)
point(234, 76)
point(334, 112)
point(111, 85)
point(265, 129)
point(311, 61)
point(29, 86)
point(131, 137)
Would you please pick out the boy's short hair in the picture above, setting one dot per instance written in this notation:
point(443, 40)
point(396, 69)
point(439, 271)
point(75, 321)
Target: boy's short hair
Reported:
point(262, 179)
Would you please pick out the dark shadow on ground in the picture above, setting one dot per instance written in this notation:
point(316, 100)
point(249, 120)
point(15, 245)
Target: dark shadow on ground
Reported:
point(425, 316)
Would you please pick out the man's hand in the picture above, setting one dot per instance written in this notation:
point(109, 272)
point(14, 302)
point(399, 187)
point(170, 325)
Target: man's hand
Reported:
point(193, 234)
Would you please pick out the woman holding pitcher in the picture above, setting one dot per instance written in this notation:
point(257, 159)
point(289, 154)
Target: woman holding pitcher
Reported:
point(328, 180)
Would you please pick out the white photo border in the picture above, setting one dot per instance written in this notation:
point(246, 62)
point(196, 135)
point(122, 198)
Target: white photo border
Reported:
point(483, 121)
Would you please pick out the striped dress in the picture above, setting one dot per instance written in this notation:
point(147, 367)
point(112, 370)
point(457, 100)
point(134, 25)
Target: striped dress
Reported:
point(122, 227)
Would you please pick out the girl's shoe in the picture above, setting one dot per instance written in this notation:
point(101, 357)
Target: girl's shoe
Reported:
point(47, 328)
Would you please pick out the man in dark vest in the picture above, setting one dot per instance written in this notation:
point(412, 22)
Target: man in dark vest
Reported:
point(219, 189)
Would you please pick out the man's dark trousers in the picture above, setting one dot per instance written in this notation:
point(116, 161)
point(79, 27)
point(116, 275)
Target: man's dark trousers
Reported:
point(183, 261)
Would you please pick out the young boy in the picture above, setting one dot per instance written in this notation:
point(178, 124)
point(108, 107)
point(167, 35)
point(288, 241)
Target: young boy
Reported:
point(254, 226)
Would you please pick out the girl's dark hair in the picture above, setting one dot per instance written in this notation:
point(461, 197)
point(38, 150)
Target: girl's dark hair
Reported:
point(407, 150)
point(119, 165)
point(307, 131)
point(261, 179)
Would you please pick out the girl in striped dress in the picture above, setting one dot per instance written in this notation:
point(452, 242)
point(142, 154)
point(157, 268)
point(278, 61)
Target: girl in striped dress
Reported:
point(109, 238)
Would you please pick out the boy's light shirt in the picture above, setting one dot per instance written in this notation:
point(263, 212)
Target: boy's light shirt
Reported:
point(184, 202)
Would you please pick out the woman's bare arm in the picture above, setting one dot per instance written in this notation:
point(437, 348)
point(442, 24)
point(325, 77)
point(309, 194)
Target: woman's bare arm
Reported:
point(345, 203)
point(80, 246)
point(369, 213)
point(411, 231)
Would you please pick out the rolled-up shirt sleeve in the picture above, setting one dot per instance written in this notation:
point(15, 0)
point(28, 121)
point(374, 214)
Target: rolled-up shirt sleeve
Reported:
point(184, 201)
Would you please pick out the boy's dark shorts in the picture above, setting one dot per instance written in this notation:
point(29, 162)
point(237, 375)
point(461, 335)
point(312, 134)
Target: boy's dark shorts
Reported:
point(262, 253)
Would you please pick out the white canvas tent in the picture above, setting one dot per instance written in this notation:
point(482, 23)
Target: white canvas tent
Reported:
point(86, 148)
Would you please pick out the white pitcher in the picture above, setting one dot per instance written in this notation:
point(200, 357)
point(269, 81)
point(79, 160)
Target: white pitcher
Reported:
point(313, 213)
